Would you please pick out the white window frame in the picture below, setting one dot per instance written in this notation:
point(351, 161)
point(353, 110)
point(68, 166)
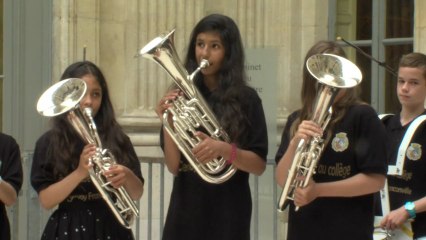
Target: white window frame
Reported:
point(377, 44)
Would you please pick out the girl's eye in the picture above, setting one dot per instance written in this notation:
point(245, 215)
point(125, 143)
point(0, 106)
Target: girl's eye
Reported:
point(217, 46)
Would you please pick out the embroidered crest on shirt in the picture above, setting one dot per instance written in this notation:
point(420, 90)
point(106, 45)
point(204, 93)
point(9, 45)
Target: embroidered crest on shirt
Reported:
point(340, 142)
point(414, 151)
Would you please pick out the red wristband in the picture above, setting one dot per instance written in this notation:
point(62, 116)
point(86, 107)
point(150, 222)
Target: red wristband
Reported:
point(233, 153)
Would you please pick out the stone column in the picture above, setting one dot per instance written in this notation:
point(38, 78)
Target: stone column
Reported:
point(419, 26)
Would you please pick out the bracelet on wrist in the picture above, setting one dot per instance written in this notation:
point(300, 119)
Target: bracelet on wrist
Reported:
point(233, 154)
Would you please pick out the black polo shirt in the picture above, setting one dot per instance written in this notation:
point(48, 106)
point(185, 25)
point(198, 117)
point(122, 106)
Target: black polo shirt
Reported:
point(411, 186)
point(357, 146)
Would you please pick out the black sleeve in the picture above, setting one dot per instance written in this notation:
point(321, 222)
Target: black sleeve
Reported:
point(257, 141)
point(371, 141)
point(135, 164)
point(10, 162)
point(41, 169)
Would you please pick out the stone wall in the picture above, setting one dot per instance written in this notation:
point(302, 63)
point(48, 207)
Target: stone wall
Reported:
point(111, 32)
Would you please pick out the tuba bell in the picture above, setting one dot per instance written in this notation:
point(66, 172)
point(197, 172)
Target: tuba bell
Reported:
point(64, 97)
point(332, 73)
point(189, 112)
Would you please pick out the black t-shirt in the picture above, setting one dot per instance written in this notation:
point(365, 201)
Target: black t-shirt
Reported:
point(356, 146)
point(10, 172)
point(201, 210)
point(84, 209)
point(411, 186)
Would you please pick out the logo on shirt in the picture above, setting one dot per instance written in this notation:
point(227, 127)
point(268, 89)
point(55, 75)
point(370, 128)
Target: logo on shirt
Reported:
point(340, 142)
point(414, 151)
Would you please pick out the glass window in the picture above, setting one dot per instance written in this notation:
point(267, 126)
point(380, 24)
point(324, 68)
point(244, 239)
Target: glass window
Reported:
point(364, 20)
point(399, 18)
point(379, 32)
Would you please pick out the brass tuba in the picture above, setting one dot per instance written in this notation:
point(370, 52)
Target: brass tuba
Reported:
point(65, 96)
point(189, 112)
point(333, 73)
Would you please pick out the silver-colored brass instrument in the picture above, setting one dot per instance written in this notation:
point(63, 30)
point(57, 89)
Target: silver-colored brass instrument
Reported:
point(333, 73)
point(65, 96)
point(382, 234)
point(189, 112)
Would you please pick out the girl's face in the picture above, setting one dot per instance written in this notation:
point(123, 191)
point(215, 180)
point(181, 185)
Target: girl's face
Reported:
point(93, 96)
point(209, 46)
point(411, 87)
point(340, 95)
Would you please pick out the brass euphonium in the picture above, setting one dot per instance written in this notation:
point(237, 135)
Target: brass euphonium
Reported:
point(64, 97)
point(333, 73)
point(189, 112)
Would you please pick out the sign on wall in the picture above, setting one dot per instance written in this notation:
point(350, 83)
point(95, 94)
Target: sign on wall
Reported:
point(261, 68)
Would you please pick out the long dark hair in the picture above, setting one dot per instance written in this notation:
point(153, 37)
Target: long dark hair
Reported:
point(224, 100)
point(309, 89)
point(66, 144)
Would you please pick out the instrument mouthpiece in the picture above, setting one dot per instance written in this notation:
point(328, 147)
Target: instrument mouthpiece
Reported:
point(88, 111)
point(204, 63)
